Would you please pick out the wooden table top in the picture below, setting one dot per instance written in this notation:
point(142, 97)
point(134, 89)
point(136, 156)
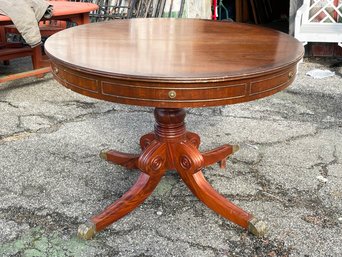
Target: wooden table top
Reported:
point(62, 8)
point(204, 63)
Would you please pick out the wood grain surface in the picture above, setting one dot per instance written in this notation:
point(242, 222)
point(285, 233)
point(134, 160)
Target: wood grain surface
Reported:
point(174, 62)
point(171, 64)
point(178, 48)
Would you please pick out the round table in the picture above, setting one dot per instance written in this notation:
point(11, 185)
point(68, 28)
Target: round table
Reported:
point(171, 64)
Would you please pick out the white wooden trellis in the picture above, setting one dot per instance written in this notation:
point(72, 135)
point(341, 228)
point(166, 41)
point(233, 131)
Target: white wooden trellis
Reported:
point(319, 21)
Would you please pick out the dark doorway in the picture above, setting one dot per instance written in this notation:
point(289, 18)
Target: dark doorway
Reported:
point(269, 13)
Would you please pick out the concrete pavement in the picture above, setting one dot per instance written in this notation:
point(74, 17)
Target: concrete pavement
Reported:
point(288, 172)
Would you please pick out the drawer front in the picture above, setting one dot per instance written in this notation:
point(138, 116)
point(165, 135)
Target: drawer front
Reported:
point(171, 94)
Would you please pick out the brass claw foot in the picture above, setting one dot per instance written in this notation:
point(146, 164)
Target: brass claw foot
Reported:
point(257, 227)
point(86, 231)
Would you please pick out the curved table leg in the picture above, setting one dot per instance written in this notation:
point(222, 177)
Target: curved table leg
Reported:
point(219, 155)
point(188, 165)
point(130, 161)
point(146, 140)
point(193, 138)
point(127, 203)
point(170, 146)
point(152, 162)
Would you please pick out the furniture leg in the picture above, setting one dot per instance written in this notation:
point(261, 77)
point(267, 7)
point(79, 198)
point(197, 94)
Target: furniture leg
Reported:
point(170, 146)
point(193, 138)
point(146, 140)
point(25, 74)
point(130, 161)
point(2, 36)
point(219, 155)
point(36, 57)
point(80, 19)
point(153, 165)
point(189, 166)
point(128, 202)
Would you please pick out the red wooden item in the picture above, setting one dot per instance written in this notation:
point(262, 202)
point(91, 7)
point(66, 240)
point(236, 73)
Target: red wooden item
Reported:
point(77, 12)
point(170, 64)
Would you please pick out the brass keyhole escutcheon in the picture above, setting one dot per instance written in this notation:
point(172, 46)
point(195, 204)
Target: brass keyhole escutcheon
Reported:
point(172, 94)
point(291, 73)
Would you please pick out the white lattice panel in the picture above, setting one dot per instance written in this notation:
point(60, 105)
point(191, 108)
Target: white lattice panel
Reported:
point(319, 21)
point(325, 11)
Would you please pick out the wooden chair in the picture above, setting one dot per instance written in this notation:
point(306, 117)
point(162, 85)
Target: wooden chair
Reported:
point(8, 53)
point(47, 28)
point(13, 53)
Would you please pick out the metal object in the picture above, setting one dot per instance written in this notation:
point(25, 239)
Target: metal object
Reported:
point(170, 9)
point(257, 227)
point(86, 231)
point(103, 154)
point(291, 74)
point(220, 7)
point(236, 148)
point(172, 94)
point(55, 70)
point(180, 14)
point(160, 8)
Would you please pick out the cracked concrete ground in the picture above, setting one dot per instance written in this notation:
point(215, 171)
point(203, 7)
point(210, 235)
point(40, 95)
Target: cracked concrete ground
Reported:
point(288, 172)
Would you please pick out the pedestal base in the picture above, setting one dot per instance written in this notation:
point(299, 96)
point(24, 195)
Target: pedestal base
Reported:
point(170, 147)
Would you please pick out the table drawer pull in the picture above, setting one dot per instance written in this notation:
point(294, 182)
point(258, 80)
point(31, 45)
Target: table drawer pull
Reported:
point(172, 94)
point(291, 73)
point(55, 70)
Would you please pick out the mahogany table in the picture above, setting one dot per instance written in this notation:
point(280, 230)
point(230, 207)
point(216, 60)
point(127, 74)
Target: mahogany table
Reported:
point(77, 12)
point(171, 64)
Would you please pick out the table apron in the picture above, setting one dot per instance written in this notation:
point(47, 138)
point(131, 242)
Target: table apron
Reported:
point(174, 95)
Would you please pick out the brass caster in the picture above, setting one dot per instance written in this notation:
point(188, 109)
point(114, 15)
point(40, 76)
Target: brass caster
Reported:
point(236, 148)
point(86, 231)
point(257, 227)
point(103, 154)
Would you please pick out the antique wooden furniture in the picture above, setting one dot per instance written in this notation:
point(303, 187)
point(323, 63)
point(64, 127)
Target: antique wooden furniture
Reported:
point(46, 27)
point(66, 11)
point(171, 64)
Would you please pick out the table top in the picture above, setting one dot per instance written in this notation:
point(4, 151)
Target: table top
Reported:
point(187, 62)
point(62, 8)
